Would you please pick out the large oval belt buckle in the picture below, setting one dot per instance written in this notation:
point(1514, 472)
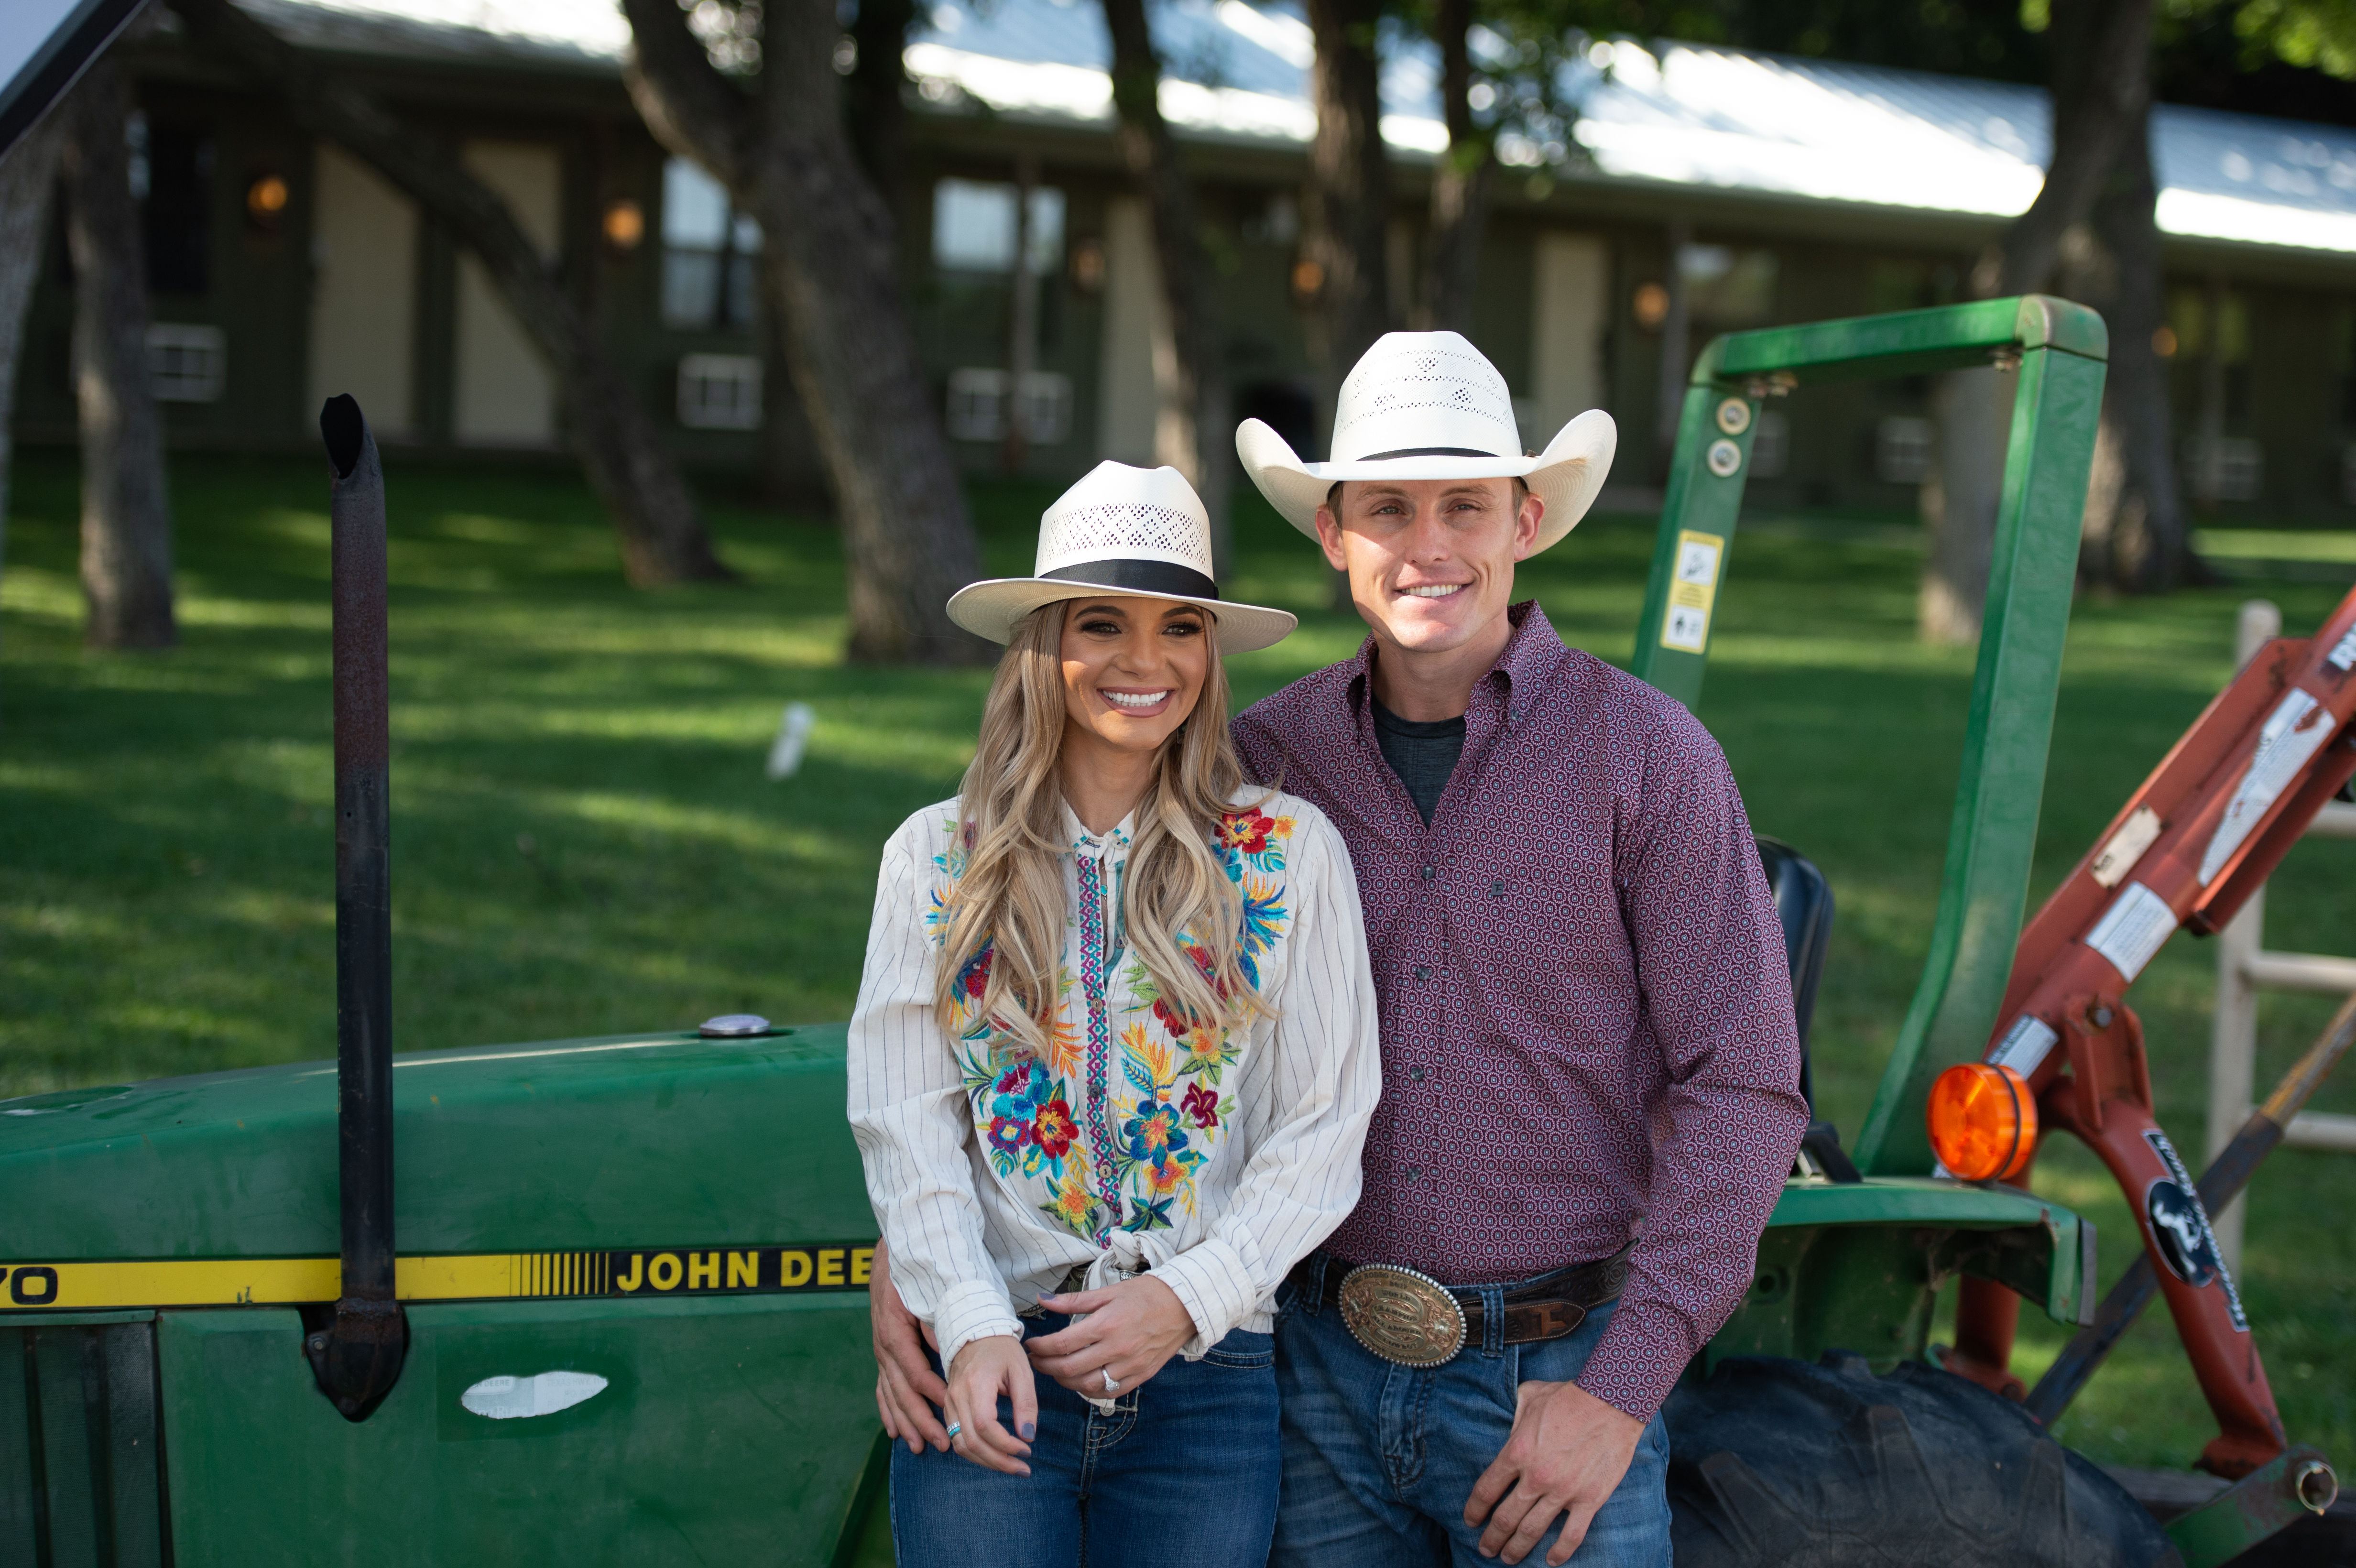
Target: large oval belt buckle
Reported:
point(1405, 1318)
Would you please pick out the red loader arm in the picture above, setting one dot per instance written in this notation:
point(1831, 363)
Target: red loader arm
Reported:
point(2203, 832)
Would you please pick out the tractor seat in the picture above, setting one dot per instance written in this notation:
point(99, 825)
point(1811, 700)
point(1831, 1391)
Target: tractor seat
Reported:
point(1804, 903)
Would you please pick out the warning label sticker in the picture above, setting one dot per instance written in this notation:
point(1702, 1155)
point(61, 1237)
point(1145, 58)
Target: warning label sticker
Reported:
point(1693, 590)
point(2132, 929)
point(2025, 1045)
point(480, 1276)
point(2292, 733)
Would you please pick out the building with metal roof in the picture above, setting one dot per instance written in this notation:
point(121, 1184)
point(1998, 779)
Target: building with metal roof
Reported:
point(1699, 189)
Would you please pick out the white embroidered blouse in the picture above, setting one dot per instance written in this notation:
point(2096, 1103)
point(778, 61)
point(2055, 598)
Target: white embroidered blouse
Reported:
point(1217, 1158)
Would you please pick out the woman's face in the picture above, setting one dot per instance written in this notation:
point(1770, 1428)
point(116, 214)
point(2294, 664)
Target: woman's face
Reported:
point(1133, 669)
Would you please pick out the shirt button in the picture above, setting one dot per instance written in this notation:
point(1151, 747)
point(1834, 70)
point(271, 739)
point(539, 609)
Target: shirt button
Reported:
point(1429, 872)
point(1496, 889)
point(1415, 1173)
point(1416, 1073)
point(1422, 973)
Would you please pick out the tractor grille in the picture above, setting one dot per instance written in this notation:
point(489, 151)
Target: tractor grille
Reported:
point(82, 1478)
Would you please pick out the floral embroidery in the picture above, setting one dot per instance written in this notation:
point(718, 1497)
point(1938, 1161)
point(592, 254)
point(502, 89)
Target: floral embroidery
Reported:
point(1053, 1129)
point(974, 979)
point(1244, 832)
point(1111, 1128)
point(1203, 1105)
point(950, 863)
point(1252, 838)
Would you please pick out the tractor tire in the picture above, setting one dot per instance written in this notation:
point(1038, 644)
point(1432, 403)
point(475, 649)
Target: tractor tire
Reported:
point(1776, 1462)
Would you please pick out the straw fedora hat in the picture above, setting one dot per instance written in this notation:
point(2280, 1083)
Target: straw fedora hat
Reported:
point(1121, 530)
point(1428, 405)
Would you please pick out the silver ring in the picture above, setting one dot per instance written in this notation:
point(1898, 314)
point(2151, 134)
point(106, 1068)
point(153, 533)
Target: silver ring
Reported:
point(955, 1427)
point(1112, 1385)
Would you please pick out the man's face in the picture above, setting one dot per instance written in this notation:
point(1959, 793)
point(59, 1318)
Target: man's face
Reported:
point(1430, 560)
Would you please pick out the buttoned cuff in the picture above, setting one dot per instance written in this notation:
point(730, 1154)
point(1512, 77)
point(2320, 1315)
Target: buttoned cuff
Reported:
point(1640, 1357)
point(1215, 1286)
point(972, 1309)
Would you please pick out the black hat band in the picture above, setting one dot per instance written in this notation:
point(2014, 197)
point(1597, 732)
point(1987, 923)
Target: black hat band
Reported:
point(1161, 579)
point(1429, 451)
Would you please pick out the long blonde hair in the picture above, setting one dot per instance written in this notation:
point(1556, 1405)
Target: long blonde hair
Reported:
point(1182, 911)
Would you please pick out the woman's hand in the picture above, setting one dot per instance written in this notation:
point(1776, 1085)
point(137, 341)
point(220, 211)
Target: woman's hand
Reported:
point(907, 1387)
point(1132, 1329)
point(983, 1370)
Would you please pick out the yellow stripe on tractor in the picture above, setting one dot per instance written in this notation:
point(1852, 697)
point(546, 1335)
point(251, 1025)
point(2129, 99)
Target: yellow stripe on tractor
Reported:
point(480, 1276)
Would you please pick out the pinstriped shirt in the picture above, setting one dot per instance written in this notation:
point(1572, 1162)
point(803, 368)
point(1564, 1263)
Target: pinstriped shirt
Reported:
point(1586, 1012)
point(1216, 1157)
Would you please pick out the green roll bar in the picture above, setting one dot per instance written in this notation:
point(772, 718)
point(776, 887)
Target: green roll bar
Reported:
point(2058, 349)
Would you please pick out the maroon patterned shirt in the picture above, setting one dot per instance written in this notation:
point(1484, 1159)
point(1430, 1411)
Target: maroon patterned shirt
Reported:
point(1586, 1014)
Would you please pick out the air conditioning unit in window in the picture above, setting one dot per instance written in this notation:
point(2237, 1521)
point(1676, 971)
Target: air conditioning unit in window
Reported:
point(720, 392)
point(185, 363)
point(1901, 450)
point(2229, 468)
point(976, 406)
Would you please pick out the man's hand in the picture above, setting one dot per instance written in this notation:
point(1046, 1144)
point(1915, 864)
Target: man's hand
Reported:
point(1132, 1329)
point(1565, 1458)
point(907, 1387)
point(985, 1370)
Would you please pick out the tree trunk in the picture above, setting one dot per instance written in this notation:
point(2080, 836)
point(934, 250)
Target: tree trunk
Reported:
point(1349, 203)
point(2101, 90)
point(126, 516)
point(28, 171)
point(2102, 96)
point(829, 272)
point(877, 112)
point(1970, 413)
point(1459, 182)
point(1349, 206)
point(2136, 536)
point(1194, 432)
point(653, 513)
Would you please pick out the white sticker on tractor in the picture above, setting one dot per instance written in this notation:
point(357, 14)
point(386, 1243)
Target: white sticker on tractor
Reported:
point(2126, 847)
point(1693, 588)
point(511, 1398)
point(2025, 1045)
point(2343, 652)
point(2132, 929)
point(2293, 732)
point(2179, 1223)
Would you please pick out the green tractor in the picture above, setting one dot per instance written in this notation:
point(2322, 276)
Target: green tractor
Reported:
point(627, 1317)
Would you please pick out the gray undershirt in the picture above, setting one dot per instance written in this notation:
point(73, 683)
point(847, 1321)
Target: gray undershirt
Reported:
point(1423, 752)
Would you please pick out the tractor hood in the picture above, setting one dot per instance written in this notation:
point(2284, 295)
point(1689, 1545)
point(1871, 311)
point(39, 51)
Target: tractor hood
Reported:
point(569, 1145)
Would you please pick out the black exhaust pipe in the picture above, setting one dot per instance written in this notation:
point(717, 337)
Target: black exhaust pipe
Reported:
point(357, 1352)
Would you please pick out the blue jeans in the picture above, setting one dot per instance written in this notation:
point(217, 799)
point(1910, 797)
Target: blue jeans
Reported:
point(1379, 1459)
point(1184, 1468)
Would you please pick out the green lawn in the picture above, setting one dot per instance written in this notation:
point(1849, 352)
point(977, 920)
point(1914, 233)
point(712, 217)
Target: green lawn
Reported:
point(584, 843)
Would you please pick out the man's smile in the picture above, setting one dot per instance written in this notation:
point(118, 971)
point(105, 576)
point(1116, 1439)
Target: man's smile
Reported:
point(1434, 590)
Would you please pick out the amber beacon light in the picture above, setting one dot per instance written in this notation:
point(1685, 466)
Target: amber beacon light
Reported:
point(1983, 1122)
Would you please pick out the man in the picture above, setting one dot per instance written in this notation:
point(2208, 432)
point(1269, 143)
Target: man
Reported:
point(1590, 1068)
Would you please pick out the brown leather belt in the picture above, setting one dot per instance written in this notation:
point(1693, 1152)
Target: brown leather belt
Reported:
point(1548, 1308)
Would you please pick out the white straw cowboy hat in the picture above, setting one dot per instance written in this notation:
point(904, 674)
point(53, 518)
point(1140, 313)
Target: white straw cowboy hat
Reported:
point(1428, 405)
point(1122, 530)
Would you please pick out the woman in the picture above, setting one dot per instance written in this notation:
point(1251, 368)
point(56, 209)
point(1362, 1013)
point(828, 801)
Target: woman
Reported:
point(1111, 1065)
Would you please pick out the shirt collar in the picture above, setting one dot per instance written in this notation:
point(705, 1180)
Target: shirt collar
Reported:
point(1530, 655)
point(1096, 845)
